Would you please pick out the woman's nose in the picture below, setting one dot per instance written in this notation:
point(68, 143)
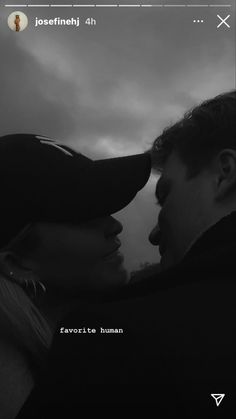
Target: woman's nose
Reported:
point(113, 228)
point(154, 236)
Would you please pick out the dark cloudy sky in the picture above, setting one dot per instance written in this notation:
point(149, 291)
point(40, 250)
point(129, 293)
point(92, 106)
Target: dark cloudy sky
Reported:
point(110, 89)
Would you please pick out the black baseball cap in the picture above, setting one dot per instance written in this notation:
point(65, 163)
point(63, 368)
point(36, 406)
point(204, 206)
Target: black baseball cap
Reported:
point(44, 180)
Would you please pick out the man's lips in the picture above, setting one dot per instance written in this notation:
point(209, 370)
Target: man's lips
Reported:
point(160, 241)
point(162, 248)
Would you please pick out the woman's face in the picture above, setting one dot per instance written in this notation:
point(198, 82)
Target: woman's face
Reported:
point(79, 258)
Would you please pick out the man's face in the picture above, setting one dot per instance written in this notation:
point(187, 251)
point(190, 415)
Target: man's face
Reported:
point(186, 206)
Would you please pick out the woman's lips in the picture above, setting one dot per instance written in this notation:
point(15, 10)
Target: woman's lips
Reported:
point(112, 252)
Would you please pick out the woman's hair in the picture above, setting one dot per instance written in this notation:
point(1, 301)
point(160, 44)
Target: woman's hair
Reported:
point(20, 320)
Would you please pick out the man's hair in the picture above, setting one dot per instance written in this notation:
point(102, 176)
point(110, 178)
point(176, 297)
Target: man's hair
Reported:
point(199, 135)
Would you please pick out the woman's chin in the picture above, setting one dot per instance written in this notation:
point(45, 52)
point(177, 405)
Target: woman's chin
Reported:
point(114, 273)
point(115, 258)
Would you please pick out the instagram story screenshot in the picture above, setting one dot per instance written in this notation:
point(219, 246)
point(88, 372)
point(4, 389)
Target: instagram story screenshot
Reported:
point(118, 208)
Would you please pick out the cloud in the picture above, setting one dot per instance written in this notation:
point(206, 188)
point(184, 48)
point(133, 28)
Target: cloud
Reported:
point(32, 99)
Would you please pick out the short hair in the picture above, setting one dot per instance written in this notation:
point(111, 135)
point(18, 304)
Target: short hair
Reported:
point(199, 135)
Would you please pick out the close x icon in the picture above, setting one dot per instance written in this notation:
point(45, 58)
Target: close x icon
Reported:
point(223, 21)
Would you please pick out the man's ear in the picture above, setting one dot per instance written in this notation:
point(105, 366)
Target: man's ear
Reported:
point(225, 174)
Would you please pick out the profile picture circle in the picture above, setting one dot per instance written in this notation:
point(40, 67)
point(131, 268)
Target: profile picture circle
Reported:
point(17, 21)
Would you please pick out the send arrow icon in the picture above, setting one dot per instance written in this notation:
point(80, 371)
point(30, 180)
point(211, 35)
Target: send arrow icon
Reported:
point(218, 398)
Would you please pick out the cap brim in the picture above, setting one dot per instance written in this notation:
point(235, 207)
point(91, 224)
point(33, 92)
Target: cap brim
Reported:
point(119, 180)
point(111, 184)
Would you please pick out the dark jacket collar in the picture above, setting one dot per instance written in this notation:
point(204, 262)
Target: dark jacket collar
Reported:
point(215, 249)
point(211, 258)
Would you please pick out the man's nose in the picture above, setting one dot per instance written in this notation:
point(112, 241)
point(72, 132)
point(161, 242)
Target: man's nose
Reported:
point(154, 236)
point(113, 227)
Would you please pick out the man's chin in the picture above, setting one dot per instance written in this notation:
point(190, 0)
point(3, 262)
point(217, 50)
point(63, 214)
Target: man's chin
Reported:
point(168, 261)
